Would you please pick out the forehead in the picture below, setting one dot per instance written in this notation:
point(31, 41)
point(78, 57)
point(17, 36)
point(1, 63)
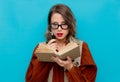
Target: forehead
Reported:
point(56, 17)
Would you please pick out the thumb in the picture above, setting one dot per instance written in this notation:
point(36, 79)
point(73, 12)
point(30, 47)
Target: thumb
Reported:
point(68, 58)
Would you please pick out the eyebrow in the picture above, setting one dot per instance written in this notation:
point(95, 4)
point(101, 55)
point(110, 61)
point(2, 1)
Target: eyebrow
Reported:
point(58, 23)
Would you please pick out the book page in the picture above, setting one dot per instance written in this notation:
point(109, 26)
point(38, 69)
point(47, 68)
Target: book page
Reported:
point(45, 53)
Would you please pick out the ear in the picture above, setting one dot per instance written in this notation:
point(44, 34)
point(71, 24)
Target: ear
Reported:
point(52, 33)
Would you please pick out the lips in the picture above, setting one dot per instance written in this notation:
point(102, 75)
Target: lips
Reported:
point(59, 34)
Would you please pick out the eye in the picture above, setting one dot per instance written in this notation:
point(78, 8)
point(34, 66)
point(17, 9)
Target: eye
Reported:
point(55, 24)
point(64, 25)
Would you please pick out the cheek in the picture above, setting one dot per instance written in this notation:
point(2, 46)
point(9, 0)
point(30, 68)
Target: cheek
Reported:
point(66, 32)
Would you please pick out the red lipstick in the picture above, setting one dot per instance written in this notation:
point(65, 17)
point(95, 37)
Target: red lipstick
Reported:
point(59, 34)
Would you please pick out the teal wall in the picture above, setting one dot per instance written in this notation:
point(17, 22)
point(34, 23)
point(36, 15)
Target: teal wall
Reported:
point(23, 24)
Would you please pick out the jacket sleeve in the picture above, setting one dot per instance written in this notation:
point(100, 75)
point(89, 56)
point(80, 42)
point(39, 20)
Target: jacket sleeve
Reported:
point(29, 73)
point(86, 72)
point(37, 71)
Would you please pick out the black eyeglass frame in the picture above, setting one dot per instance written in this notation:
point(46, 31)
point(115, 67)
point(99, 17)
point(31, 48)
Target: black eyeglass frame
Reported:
point(61, 25)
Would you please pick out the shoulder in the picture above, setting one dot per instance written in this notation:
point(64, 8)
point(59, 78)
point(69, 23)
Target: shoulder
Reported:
point(85, 44)
point(82, 44)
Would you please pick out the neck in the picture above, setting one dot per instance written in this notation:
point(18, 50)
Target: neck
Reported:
point(61, 43)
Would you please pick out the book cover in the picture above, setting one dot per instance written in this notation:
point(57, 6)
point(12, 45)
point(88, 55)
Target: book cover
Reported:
point(44, 52)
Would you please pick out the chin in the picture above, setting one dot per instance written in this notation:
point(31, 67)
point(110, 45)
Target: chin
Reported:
point(60, 38)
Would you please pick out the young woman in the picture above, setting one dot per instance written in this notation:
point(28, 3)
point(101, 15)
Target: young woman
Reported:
point(62, 24)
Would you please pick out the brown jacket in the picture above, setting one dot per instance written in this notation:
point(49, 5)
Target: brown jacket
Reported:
point(86, 72)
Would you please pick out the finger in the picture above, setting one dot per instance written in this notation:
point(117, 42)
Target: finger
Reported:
point(53, 46)
point(55, 59)
point(59, 61)
point(68, 58)
point(51, 41)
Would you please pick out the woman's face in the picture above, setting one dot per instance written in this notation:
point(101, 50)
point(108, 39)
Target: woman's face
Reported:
point(59, 27)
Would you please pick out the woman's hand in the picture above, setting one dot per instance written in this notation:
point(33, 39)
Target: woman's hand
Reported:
point(52, 44)
point(67, 64)
point(63, 63)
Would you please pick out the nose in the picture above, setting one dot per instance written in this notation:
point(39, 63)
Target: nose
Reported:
point(59, 28)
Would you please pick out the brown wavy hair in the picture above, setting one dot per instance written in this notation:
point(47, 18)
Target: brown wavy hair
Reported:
point(67, 15)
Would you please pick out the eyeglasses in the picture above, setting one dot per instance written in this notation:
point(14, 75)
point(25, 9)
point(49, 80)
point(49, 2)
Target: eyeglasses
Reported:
point(55, 26)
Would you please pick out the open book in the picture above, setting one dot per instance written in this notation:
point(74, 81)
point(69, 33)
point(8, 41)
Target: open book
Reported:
point(44, 52)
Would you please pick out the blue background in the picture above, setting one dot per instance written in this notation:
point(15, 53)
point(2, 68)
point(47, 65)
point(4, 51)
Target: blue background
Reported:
point(23, 24)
